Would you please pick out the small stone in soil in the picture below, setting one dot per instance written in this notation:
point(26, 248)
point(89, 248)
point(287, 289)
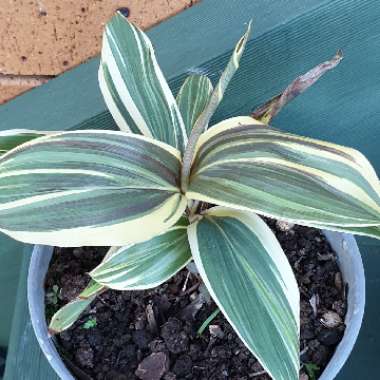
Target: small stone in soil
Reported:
point(320, 356)
point(128, 352)
point(85, 356)
point(307, 332)
point(330, 337)
point(339, 307)
point(221, 352)
point(284, 226)
point(216, 331)
point(153, 367)
point(183, 365)
point(142, 338)
point(170, 376)
point(330, 319)
point(175, 338)
point(117, 376)
point(157, 345)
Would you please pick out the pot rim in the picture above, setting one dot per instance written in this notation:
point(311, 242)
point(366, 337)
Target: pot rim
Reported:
point(350, 264)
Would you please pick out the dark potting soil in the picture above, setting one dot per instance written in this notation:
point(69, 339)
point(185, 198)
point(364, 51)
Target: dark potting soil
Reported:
point(152, 335)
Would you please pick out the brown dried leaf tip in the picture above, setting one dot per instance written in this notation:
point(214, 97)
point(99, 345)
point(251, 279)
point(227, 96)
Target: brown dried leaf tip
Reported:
point(272, 107)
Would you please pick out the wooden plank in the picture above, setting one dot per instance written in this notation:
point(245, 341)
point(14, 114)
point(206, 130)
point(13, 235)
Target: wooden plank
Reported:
point(289, 37)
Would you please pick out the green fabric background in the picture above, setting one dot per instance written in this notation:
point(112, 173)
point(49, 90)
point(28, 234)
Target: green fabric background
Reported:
point(289, 37)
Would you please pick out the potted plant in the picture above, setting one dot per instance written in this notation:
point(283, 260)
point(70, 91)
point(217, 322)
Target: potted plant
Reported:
point(149, 191)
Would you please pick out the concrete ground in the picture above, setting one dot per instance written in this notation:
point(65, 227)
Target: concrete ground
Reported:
point(40, 39)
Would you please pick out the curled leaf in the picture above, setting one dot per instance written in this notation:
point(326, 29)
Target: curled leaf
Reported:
point(215, 98)
point(266, 112)
point(67, 315)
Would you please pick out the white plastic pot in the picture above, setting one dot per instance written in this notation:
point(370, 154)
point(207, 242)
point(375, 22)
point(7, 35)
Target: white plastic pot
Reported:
point(349, 261)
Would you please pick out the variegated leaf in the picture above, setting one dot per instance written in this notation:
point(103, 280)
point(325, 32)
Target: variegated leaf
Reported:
point(134, 87)
point(193, 98)
point(89, 188)
point(145, 265)
point(14, 137)
point(225, 79)
point(284, 176)
point(66, 316)
point(370, 231)
point(250, 279)
point(215, 99)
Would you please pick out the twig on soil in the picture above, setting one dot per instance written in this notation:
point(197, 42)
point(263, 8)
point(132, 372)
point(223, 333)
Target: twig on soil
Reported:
point(192, 289)
point(186, 281)
point(151, 318)
point(256, 374)
point(314, 302)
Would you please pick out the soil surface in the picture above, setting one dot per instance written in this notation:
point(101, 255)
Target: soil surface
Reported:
point(152, 335)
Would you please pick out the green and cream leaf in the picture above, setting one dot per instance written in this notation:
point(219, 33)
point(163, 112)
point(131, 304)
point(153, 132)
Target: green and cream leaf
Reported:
point(253, 167)
point(89, 188)
point(250, 279)
point(134, 87)
point(217, 95)
point(370, 231)
point(14, 137)
point(193, 98)
point(145, 265)
point(225, 79)
point(66, 316)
